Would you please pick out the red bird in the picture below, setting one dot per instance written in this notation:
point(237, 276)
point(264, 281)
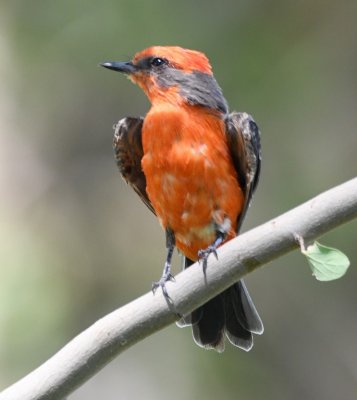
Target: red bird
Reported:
point(196, 166)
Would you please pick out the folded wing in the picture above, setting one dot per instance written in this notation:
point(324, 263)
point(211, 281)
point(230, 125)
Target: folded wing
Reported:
point(128, 150)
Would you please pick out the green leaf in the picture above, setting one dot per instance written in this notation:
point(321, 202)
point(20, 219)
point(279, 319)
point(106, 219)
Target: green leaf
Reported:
point(326, 263)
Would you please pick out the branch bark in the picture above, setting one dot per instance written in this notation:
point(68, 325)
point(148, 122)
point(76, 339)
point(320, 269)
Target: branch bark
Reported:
point(91, 350)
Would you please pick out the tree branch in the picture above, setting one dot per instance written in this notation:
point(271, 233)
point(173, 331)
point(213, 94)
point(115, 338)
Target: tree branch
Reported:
point(91, 350)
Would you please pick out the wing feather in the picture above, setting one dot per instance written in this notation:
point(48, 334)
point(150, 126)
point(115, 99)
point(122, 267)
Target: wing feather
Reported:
point(243, 139)
point(128, 150)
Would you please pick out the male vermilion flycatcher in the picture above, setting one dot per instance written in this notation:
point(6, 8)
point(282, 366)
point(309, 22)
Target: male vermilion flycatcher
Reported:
point(196, 166)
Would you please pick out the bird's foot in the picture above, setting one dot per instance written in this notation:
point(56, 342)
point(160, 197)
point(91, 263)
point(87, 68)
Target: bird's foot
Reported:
point(203, 255)
point(167, 276)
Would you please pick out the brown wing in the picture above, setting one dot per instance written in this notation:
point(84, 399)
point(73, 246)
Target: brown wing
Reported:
point(128, 150)
point(243, 139)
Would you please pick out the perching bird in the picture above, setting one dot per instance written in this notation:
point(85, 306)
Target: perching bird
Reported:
point(196, 166)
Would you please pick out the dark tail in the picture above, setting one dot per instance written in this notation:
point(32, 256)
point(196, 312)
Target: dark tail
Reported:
point(231, 313)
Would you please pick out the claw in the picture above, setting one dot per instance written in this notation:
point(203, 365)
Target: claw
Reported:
point(204, 253)
point(171, 278)
point(166, 277)
point(162, 283)
point(221, 234)
point(215, 253)
point(154, 286)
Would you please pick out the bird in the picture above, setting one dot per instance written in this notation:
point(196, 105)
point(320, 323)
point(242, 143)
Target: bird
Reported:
point(196, 166)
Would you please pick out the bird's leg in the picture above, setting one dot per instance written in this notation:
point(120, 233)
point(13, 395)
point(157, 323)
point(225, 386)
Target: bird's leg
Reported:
point(221, 233)
point(166, 273)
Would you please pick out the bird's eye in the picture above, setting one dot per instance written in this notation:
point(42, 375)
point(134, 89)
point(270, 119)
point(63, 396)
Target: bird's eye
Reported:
point(158, 62)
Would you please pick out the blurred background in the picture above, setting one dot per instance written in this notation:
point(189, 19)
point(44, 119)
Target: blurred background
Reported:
point(76, 242)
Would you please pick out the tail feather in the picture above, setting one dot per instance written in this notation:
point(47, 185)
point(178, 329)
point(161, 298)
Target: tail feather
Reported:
point(231, 313)
point(236, 333)
point(208, 332)
point(245, 309)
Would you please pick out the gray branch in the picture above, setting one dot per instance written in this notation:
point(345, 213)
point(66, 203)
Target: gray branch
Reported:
point(91, 350)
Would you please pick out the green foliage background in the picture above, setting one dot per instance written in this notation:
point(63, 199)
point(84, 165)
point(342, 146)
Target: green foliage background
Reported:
point(75, 242)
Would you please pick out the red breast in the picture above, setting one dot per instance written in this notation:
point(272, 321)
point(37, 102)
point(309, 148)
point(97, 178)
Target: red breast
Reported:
point(191, 181)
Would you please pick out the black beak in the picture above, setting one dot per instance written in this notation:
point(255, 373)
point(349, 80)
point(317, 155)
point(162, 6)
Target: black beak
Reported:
point(125, 67)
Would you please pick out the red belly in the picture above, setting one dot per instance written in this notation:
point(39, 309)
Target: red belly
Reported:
point(191, 181)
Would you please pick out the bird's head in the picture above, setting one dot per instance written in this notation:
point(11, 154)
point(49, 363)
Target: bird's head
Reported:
point(173, 74)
